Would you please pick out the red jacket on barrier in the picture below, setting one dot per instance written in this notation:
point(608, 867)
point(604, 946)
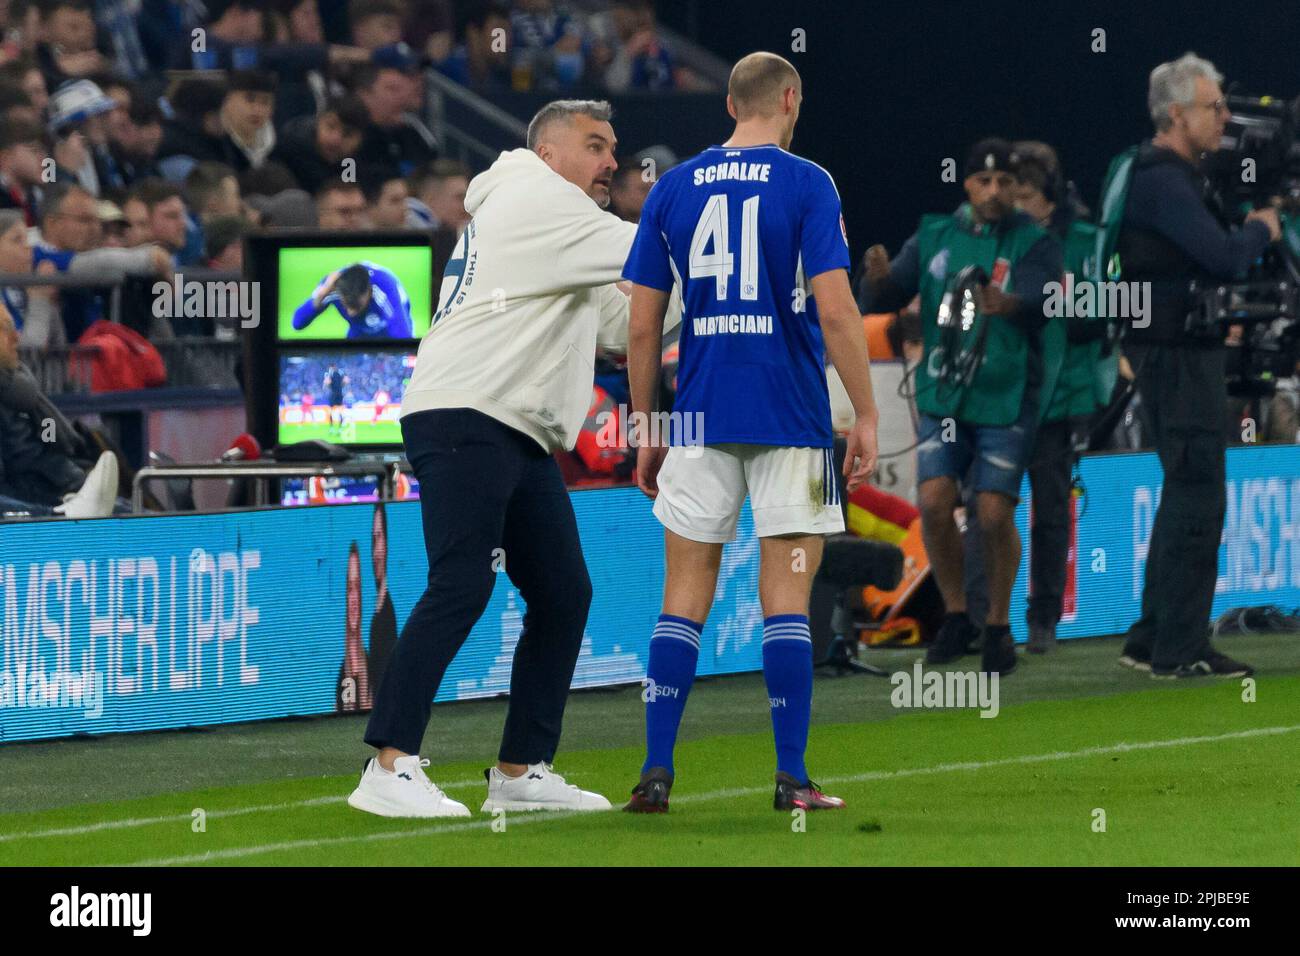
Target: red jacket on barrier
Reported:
point(125, 360)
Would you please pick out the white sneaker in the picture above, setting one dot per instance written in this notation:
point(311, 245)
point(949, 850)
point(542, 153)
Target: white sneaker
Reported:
point(98, 492)
point(404, 791)
point(540, 788)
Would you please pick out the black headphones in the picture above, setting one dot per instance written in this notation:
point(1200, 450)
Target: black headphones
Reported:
point(1053, 182)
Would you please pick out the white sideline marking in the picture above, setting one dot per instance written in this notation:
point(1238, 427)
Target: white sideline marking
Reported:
point(129, 823)
point(517, 820)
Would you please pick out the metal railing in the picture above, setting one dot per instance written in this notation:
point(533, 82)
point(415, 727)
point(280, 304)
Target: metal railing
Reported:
point(113, 287)
point(192, 361)
point(507, 131)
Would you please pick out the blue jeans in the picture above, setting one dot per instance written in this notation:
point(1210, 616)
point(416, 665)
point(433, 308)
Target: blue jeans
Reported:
point(977, 457)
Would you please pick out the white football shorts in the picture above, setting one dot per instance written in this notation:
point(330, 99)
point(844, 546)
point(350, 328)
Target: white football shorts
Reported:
point(791, 491)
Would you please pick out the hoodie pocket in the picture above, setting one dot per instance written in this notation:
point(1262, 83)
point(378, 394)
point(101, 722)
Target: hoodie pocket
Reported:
point(559, 396)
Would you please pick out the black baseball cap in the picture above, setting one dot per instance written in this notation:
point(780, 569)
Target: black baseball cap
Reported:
point(990, 155)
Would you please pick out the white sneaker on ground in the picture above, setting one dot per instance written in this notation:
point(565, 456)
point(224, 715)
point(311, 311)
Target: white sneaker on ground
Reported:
point(404, 791)
point(98, 493)
point(539, 788)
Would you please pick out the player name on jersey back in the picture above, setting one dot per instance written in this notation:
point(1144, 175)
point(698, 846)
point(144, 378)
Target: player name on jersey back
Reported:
point(731, 325)
point(747, 172)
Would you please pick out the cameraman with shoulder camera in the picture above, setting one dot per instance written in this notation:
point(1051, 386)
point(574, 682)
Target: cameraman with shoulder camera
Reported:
point(977, 385)
point(1171, 234)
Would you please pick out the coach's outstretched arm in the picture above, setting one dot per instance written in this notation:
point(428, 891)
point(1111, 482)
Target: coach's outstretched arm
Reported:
point(644, 354)
point(847, 346)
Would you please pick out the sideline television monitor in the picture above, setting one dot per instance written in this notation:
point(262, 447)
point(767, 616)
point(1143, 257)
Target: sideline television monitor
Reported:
point(382, 308)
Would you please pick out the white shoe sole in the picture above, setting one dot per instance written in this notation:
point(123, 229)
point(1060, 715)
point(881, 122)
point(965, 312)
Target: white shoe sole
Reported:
point(528, 806)
point(380, 808)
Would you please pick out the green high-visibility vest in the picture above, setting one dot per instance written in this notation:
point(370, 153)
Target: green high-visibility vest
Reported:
point(1084, 378)
point(947, 244)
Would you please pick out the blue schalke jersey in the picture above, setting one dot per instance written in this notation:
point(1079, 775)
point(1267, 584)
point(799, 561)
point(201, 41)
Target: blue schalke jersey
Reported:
point(386, 315)
point(742, 231)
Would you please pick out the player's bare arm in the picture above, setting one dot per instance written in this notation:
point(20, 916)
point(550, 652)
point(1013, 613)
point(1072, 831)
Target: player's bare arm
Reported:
point(644, 343)
point(847, 346)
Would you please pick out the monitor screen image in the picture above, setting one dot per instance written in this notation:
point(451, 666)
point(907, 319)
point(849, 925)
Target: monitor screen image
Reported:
point(354, 292)
point(343, 397)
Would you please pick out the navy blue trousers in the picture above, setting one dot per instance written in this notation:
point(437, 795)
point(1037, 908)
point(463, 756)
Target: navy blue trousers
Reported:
point(492, 501)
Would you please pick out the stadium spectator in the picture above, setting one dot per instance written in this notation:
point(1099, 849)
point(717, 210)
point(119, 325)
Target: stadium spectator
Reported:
point(123, 95)
point(40, 449)
point(165, 219)
point(70, 220)
point(375, 23)
point(230, 38)
point(438, 196)
point(547, 47)
point(632, 182)
point(393, 137)
point(117, 21)
point(212, 190)
point(246, 118)
point(238, 133)
point(77, 120)
point(341, 206)
point(481, 60)
point(14, 103)
point(287, 209)
point(70, 225)
point(314, 147)
point(134, 136)
point(225, 243)
point(637, 58)
point(304, 61)
point(113, 223)
point(428, 26)
point(244, 35)
point(195, 133)
point(386, 202)
point(66, 50)
point(298, 21)
point(22, 165)
point(34, 309)
point(136, 214)
point(71, 236)
point(23, 76)
point(166, 26)
point(22, 28)
point(627, 193)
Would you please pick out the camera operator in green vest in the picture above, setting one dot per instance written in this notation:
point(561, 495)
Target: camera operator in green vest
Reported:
point(982, 273)
point(1173, 233)
point(1079, 374)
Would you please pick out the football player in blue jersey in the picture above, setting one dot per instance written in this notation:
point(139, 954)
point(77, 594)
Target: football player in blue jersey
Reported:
point(370, 298)
point(753, 236)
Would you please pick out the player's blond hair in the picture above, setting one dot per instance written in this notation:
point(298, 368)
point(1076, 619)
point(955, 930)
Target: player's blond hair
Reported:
point(757, 83)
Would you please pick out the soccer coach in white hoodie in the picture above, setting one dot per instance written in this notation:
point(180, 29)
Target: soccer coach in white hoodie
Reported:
point(503, 380)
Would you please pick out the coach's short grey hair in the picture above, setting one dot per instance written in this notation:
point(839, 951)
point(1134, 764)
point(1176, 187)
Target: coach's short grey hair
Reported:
point(563, 111)
point(1175, 82)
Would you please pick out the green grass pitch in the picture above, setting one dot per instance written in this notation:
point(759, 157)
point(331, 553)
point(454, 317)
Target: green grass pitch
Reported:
point(351, 433)
point(1185, 774)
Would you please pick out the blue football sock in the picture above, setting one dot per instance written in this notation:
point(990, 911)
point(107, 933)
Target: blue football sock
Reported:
point(674, 649)
point(787, 669)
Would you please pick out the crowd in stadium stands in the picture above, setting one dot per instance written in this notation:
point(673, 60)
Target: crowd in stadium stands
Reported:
point(138, 137)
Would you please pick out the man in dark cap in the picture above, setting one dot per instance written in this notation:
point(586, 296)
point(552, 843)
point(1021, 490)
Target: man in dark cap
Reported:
point(977, 385)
